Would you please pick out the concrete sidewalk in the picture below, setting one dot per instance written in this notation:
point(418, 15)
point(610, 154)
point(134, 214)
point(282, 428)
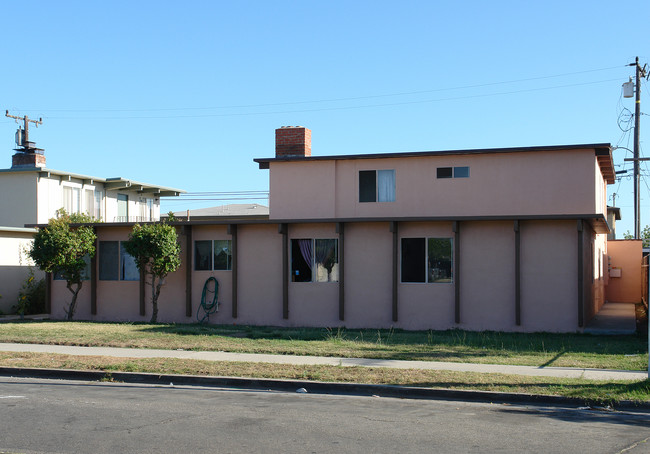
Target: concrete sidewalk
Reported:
point(565, 372)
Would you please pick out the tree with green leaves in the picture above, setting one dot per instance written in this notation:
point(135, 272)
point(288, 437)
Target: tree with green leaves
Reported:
point(645, 236)
point(61, 248)
point(157, 253)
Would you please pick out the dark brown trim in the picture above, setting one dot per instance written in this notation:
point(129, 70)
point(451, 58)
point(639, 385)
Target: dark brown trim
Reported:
point(599, 148)
point(394, 228)
point(232, 230)
point(597, 221)
point(48, 293)
point(456, 230)
point(581, 275)
point(517, 228)
point(142, 283)
point(93, 280)
point(188, 270)
point(340, 229)
point(283, 229)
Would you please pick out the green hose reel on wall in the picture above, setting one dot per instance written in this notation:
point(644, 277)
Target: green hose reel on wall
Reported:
point(209, 304)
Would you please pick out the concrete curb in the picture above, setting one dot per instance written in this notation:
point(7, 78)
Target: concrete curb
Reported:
point(357, 389)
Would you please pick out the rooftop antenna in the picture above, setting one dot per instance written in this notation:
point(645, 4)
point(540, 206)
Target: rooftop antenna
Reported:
point(22, 135)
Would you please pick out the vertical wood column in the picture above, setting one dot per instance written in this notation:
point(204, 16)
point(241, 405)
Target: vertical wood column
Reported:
point(456, 230)
point(48, 293)
point(232, 231)
point(188, 270)
point(581, 274)
point(142, 282)
point(394, 228)
point(517, 228)
point(340, 229)
point(284, 230)
point(93, 279)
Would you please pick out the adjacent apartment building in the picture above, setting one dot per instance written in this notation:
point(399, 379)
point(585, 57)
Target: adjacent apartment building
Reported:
point(510, 239)
point(32, 193)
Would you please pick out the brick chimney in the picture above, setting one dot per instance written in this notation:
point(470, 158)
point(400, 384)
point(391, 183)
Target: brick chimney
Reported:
point(23, 159)
point(292, 141)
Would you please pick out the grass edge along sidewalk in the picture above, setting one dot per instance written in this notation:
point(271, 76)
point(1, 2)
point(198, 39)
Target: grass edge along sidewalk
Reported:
point(449, 384)
point(527, 349)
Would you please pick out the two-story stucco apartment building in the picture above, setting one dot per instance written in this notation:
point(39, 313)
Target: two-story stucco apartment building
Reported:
point(509, 239)
point(32, 193)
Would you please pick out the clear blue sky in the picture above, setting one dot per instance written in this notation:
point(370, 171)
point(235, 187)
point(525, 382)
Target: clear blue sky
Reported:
point(186, 94)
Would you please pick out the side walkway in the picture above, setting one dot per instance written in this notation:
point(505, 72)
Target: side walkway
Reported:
point(565, 372)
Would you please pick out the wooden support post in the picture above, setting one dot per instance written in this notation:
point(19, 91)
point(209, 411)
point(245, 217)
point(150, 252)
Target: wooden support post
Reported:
point(394, 228)
point(188, 270)
point(456, 230)
point(581, 275)
point(284, 230)
point(340, 229)
point(142, 282)
point(93, 279)
point(232, 231)
point(517, 228)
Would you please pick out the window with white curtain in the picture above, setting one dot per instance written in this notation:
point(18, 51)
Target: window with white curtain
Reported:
point(89, 202)
point(377, 185)
point(71, 199)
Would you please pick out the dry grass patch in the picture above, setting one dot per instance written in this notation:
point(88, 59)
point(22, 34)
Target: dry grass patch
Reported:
point(595, 391)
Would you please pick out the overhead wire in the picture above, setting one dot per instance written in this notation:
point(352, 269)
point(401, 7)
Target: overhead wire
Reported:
point(353, 98)
point(324, 109)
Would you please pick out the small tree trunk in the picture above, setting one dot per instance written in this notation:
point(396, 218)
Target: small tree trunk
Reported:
point(155, 293)
point(70, 311)
point(154, 300)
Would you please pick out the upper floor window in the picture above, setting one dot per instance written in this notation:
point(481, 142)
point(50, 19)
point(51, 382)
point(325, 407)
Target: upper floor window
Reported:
point(377, 186)
point(452, 172)
point(314, 260)
point(212, 255)
point(71, 199)
point(427, 260)
point(122, 208)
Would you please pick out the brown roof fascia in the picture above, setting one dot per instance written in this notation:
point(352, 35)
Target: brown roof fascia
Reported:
point(597, 221)
point(600, 148)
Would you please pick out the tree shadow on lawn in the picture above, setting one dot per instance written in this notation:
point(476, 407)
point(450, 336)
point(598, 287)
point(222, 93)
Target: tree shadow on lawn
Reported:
point(461, 344)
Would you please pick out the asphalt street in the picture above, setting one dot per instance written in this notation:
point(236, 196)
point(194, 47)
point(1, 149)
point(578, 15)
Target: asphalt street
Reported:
point(83, 417)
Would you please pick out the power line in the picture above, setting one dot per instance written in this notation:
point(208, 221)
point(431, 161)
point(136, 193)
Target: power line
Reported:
point(354, 98)
point(455, 98)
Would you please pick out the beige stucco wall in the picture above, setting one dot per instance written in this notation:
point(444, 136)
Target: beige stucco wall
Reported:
point(549, 276)
point(14, 265)
point(18, 199)
point(625, 255)
point(549, 290)
point(525, 183)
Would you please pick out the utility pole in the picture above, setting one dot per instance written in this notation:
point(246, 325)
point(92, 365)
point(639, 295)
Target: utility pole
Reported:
point(22, 139)
point(640, 72)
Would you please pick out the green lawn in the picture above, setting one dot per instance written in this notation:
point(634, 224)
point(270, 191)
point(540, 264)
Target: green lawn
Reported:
point(539, 349)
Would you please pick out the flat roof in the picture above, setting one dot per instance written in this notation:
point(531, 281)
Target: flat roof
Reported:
point(603, 153)
point(117, 183)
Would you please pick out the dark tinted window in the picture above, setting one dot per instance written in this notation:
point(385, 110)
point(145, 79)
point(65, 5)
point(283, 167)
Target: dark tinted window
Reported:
point(413, 260)
point(367, 186)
